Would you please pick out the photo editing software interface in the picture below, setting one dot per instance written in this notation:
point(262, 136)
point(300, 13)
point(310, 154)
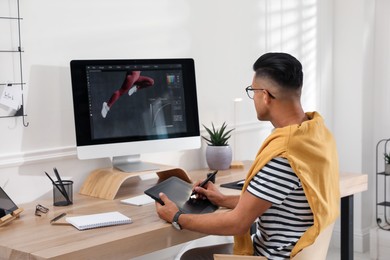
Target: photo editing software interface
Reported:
point(136, 100)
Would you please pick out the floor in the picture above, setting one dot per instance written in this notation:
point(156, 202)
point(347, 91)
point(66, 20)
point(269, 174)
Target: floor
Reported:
point(334, 254)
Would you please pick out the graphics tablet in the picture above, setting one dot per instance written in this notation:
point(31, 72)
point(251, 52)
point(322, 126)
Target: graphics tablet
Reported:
point(179, 192)
point(7, 206)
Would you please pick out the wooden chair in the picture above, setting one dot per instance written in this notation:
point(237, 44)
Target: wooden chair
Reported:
point(317, 250)
point(236, 257)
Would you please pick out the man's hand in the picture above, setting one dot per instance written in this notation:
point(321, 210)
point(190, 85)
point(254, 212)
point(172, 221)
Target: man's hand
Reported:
point(211, 192)
point(168, 210)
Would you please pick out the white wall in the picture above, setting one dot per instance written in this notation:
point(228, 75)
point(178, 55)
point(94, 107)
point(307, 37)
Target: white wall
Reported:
point(224, 37)
point(361, 69)
point(381, 90)
point(343, 46)
point(379, 246)
point(348, 80)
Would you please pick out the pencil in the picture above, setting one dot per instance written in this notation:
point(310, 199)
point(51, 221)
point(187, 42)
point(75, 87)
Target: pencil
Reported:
point(55, 184)
point(58, 217)
point(62, 185)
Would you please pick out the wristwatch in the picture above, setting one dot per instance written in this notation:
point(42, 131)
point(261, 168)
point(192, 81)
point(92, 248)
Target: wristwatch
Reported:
point(175, 221)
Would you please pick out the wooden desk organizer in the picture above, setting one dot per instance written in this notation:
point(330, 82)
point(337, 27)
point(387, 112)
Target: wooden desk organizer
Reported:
point(9, 217)
point(105, 183)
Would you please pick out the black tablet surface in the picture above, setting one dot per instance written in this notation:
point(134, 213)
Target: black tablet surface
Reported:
point(179, 192)
point(7, 206)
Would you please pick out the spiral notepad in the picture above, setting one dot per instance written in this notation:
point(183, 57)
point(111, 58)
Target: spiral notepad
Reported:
point(98, 220)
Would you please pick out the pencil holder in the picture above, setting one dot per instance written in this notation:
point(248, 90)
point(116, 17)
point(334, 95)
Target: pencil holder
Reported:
point(63, 193)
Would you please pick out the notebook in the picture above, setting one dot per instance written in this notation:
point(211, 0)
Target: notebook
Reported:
point(179, 192)
point(138, 200)
point(98, 220)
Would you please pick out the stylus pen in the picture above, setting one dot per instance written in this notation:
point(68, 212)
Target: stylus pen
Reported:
point(55, 184)
point(203, 183)
point(58, 217)
point(61, 185)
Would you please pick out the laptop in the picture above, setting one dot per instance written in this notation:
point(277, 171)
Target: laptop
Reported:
point(179, 192)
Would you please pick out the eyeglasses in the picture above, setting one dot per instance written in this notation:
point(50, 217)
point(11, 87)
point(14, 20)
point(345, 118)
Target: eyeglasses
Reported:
point(251, 92)
point(40, 209)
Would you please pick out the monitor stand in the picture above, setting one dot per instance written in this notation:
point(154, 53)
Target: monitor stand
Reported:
point(104, 183)
point(133, 163)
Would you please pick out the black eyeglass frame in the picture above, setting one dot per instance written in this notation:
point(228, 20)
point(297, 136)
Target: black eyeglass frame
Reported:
point(250, 88)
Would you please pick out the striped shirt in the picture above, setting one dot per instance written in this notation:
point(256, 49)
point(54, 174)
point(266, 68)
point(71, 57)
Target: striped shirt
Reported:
point(281, 226)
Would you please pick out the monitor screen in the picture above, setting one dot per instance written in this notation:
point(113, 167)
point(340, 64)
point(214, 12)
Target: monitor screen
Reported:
point(123, 108)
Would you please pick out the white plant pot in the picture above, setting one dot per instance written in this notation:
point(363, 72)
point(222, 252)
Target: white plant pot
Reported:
point(219, 157)
point(387, 168)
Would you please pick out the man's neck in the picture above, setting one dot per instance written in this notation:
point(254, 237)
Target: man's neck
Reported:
point(289, 117)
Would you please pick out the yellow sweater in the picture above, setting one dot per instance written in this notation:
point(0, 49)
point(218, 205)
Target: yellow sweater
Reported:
point(311, 152)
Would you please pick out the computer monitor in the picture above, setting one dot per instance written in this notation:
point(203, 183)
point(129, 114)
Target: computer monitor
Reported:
point(124, 108)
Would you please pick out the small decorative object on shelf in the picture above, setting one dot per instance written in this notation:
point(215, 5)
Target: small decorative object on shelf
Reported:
point(382, 181)
point(218, 151)
point(387, 163)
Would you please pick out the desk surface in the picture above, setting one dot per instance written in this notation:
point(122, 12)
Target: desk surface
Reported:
point(32, 237)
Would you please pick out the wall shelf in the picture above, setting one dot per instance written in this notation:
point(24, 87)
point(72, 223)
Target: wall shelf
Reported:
point(20, 84)
point(10, 51)
point(382, 183)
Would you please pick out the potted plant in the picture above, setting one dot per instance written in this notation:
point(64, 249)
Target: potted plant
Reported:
point(387, 163)
point(218, 150)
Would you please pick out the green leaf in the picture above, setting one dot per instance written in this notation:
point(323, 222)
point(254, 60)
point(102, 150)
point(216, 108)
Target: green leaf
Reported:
point(387, 157)
point(217, 137)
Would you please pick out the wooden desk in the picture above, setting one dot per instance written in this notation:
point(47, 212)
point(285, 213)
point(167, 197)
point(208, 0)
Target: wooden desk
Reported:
point(32, 237)
point(350, 184)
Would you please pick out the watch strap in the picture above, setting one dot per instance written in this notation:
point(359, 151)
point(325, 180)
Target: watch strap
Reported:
point(175, 219)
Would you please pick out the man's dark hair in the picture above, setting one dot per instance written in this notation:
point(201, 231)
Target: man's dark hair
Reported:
point(282, 68)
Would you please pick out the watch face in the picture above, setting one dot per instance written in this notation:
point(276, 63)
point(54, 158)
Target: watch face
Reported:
point(176, 225)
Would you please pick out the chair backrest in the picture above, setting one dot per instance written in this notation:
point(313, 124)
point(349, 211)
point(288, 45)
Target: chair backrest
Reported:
point(319, 249)
point(237, 257)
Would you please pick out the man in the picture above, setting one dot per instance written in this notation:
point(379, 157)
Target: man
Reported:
point(292, 188)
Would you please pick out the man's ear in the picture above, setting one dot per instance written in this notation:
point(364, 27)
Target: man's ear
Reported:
point(266, 97)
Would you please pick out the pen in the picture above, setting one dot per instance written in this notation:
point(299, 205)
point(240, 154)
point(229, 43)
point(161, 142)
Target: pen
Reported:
point(203, 183)
point(58, 217)
point(61, 185)
point(55, 184)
